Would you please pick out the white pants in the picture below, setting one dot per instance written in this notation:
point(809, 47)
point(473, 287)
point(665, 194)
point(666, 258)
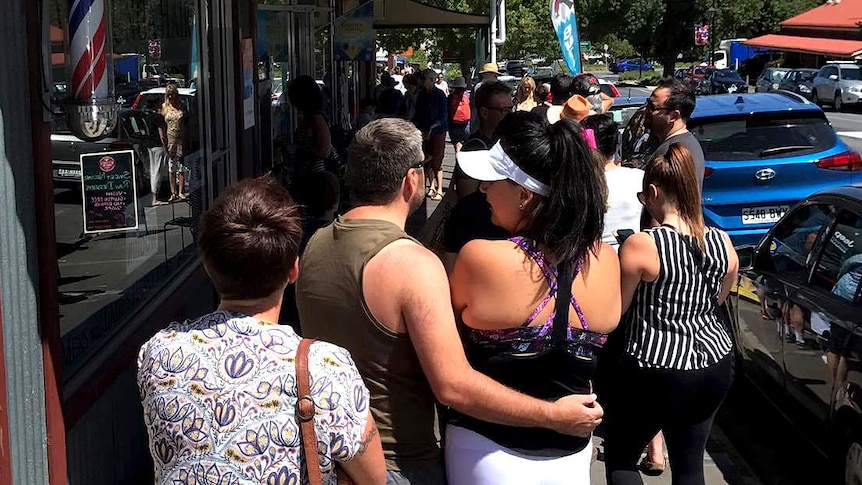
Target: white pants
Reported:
point(159, 161)
point(472, 459)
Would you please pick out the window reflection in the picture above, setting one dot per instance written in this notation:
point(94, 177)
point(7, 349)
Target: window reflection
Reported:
point(105, 278)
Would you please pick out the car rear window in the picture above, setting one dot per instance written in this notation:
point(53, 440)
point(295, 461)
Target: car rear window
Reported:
point(763, 137)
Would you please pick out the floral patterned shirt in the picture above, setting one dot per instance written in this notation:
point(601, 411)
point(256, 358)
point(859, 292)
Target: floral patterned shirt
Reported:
point(219, 397)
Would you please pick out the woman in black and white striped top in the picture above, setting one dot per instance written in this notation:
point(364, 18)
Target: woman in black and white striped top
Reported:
point(677, 365)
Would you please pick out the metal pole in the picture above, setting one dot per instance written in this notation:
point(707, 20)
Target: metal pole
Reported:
point(493, 31)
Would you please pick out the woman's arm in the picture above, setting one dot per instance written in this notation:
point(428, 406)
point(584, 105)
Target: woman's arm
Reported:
point(635, 258)
point(730, 278)
point(607, 102)
point(368, 465)
point(320, 136)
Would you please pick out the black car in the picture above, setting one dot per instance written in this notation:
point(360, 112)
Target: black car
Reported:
point(721, 81)
point(136, 130)
point(518, 68)
point(799, 81)
point(798, 330)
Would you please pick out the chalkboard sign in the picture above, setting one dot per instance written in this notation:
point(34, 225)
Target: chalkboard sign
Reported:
point(110, 195)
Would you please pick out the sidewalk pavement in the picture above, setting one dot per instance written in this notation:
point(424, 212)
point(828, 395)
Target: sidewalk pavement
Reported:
point(722, 464)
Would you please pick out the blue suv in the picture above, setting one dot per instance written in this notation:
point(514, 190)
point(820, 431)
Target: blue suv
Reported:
point(764, 153)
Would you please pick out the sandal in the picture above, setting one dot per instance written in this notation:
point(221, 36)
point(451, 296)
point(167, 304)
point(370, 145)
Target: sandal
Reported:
point(431, 193)
point(173, 198)
point(651, 469)
point(436, 196)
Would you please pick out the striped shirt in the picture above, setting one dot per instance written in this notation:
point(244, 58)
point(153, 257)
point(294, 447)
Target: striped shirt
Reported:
point(672, 322)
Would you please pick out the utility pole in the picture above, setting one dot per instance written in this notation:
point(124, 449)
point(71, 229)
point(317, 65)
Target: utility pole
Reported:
point(710, 16)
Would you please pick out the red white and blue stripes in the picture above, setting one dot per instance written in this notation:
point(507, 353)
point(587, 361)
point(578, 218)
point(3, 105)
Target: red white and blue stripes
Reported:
point(88, 49)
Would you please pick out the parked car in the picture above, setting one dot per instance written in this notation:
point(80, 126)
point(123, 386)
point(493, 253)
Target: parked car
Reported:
point(187, 98)
point(798, 331)
point(839, 85)
point(799, 81)
point(769, 79)
point(135, 130)
point(718, 81)
point(518, 68)
point(764, 153)
point(630, 65)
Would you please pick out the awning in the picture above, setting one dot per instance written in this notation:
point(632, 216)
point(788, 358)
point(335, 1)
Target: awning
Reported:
point(808, 45)
point(400, 14)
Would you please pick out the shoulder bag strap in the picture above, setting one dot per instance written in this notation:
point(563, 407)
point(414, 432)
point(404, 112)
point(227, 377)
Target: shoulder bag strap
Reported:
point(305, 410)
point(565, 277)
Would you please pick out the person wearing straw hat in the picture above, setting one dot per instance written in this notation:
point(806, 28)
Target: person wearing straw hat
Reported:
point(489, 72)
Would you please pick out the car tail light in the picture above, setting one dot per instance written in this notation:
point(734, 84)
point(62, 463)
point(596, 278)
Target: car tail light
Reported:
point(707, 171)
point(845, 162)
point(137, 101)
point(120, 145)
point(615, 91)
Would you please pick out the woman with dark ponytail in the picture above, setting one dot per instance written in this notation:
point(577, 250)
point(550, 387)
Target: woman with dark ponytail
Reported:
point(535, 308)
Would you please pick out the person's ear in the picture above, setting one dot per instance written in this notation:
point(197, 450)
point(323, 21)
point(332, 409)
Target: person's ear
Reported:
point(653, 191)
point(293, 274)
point(525, 197)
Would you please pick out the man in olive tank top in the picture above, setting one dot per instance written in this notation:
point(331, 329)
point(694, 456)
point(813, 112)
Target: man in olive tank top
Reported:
point(367, 286)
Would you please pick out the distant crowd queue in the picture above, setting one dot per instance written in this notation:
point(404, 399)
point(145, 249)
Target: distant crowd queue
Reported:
point(554, 293)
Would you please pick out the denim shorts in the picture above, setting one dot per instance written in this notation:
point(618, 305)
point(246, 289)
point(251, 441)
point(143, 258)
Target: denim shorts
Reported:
point(430, 475)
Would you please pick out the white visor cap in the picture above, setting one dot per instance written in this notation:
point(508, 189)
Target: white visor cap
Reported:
point(492, 165)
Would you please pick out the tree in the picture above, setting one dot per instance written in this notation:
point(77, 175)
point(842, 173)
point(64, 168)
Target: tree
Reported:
point(665, 28)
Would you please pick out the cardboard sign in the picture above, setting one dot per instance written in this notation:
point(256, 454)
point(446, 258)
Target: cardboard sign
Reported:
point(110, 192)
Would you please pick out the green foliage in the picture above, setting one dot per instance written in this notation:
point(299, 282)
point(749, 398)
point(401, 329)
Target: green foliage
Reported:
point(529, 31)
point(665, 28)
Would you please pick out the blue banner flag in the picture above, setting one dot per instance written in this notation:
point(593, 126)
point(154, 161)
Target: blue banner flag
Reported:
point(566, 25)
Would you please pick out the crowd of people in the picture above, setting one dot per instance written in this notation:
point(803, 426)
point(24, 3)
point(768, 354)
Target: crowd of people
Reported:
point(571, 294)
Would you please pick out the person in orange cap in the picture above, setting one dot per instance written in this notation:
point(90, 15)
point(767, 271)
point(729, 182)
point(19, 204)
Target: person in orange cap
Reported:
point(576, 108)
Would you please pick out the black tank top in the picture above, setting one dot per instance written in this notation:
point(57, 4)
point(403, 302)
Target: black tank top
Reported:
point(547, 362)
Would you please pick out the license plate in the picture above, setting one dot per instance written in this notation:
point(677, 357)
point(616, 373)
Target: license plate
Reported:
point(763, 215)
point(69, 173)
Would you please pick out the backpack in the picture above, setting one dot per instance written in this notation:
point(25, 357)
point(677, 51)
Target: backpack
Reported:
point(462, 112)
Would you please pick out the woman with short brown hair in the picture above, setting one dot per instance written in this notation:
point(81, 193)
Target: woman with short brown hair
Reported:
point(220, 392)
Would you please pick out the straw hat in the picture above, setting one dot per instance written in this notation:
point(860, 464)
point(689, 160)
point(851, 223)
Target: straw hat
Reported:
point(490, 67)
point(576, 108)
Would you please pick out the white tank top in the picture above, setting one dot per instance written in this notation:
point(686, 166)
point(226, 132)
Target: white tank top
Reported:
point(624, 209)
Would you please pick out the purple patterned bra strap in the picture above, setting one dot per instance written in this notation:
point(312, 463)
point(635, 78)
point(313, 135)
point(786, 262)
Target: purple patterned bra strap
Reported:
point(575, 303)
point(549, 273)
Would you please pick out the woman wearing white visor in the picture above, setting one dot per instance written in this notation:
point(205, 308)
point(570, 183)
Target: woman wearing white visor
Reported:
point(543, 185)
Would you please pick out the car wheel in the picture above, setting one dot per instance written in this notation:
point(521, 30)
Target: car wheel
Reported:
point(814, 98)
point(838, 103)
point(853, 464)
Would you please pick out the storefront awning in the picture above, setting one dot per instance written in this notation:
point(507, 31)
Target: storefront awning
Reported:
point(808, 45)
point(400, 14)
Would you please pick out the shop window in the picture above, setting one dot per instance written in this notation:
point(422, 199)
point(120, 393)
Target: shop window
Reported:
point(114, 258)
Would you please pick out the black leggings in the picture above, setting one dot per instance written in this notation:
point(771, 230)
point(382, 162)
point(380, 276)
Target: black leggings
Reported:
point(640, 402)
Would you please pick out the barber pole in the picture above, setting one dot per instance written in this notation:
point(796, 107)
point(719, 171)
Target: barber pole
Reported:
point(91, 106)
point(88, 49)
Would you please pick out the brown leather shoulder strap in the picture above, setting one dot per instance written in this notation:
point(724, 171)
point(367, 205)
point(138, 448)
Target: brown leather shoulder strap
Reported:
point(305, 410)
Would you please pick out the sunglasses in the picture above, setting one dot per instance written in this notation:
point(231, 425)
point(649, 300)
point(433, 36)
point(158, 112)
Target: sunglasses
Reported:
point(420, 165)
point(504, 110)
point(653, 108)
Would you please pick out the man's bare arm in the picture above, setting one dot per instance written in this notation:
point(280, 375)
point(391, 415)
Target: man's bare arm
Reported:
point(427, 311)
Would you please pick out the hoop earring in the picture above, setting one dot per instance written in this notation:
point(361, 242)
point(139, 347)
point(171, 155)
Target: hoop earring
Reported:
point(521, 206)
